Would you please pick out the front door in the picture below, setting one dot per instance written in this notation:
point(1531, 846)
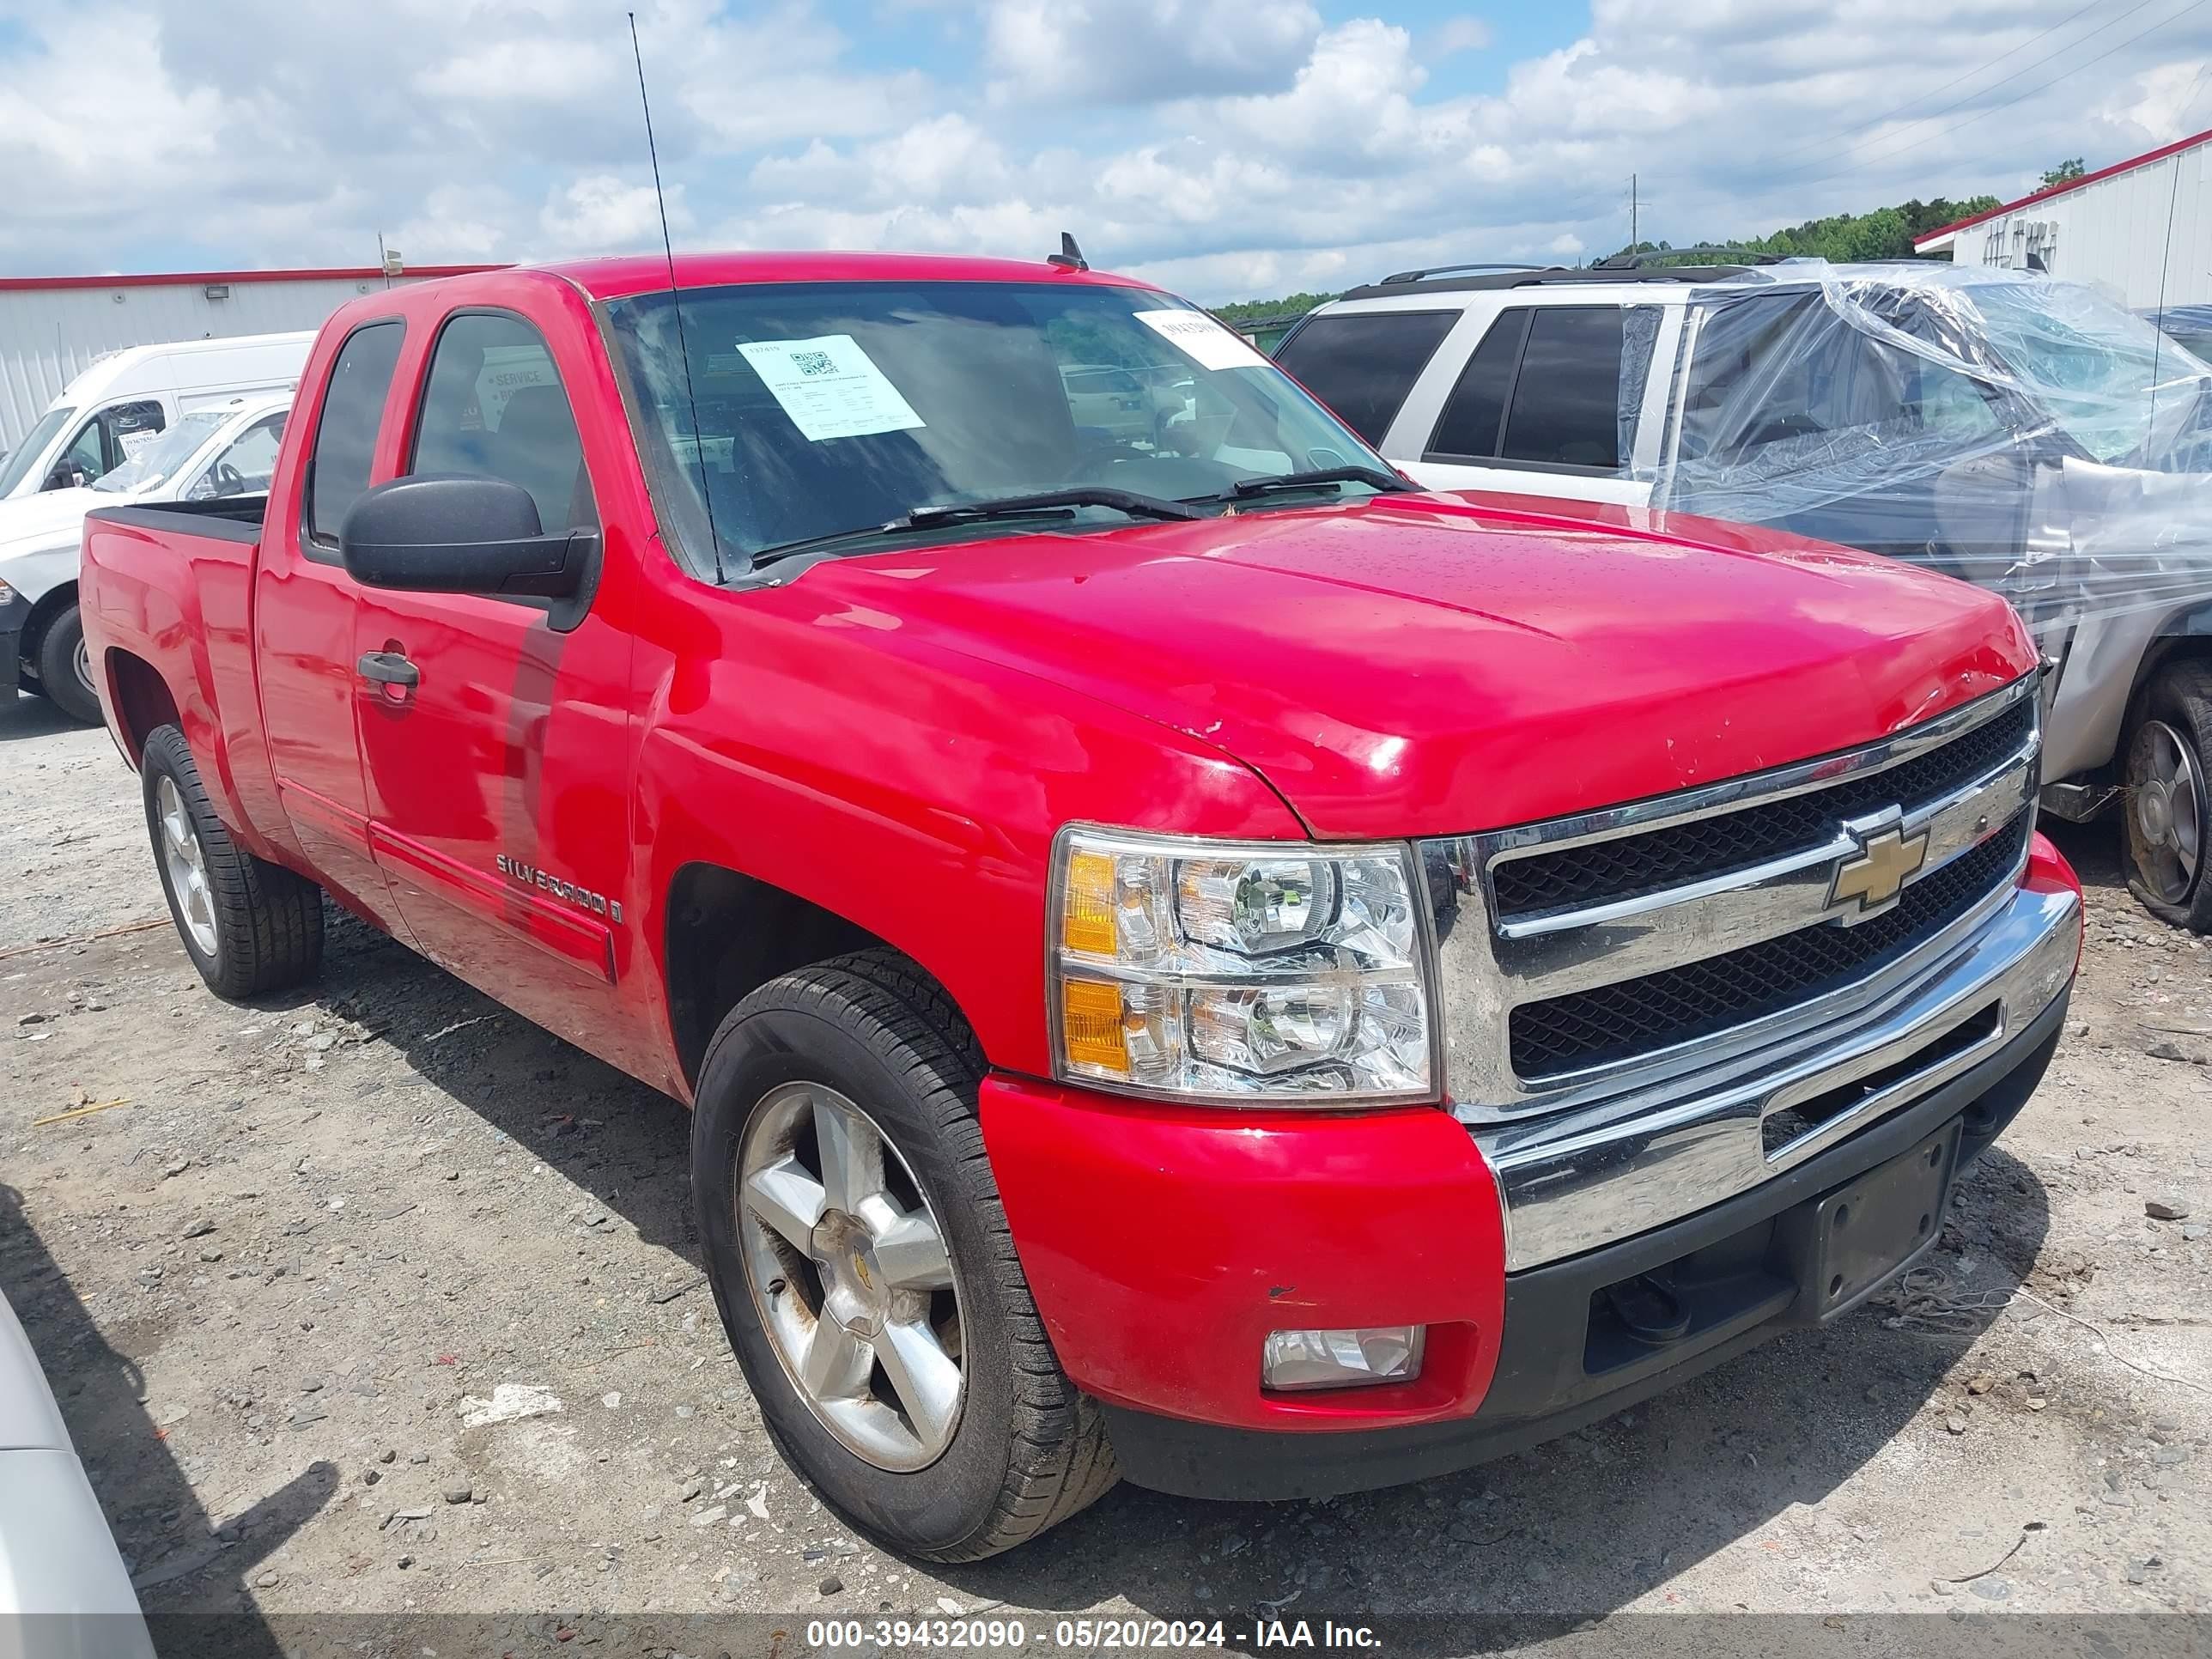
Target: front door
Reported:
point(508, 868)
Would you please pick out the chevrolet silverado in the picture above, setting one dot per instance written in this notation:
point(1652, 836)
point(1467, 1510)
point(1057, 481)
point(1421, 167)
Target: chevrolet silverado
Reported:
point(1190, 957)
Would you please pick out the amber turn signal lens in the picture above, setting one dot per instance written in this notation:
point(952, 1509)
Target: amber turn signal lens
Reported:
point(1087, 918)
point(1090, 1024)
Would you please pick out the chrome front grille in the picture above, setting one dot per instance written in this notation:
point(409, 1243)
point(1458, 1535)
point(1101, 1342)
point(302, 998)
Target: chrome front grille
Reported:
point(1627, 866)
point(1612, 1023)
point(1588, 958)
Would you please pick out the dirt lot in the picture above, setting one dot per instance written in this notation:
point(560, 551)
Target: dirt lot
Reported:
point(282, 1289)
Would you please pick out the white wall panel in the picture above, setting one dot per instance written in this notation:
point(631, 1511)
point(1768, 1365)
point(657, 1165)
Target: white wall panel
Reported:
point(50, 336)
point(2114, 234)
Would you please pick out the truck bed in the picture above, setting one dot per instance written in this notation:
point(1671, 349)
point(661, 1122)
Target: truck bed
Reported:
point(231, 517)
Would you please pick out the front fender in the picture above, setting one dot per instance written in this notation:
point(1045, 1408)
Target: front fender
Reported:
point(902, 786)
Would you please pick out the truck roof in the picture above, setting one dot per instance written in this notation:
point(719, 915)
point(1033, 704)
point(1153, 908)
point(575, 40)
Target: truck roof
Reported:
point(623, 275)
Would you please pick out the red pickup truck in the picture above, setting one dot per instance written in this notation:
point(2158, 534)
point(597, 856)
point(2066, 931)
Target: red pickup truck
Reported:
point(1190, 957)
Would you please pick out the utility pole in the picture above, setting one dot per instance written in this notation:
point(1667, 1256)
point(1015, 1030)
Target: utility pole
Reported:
point(1631, 213)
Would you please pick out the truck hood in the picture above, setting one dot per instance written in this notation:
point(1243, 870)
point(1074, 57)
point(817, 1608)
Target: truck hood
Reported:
point(34, 521)
point(1418, 665)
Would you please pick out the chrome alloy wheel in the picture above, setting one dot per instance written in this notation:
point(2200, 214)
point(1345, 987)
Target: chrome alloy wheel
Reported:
point(82, 664)
point(850, 1275)
point(2166, 797)
point(186, 863)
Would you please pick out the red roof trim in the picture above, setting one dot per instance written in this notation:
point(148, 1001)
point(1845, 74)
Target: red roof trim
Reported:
point(187, 278)
point(2133, 162)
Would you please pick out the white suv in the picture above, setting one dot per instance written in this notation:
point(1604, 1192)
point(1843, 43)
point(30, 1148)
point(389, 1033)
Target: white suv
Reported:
point(2021, 433)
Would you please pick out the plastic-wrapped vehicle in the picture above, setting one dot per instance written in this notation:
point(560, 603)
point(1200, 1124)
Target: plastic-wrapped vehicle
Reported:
point(2190, 326)
point(2024, 433)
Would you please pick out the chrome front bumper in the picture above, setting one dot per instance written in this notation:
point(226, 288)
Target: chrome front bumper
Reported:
point(1583, 1177)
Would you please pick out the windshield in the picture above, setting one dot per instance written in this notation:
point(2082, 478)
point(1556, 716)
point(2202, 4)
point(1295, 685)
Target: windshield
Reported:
point(33, 445)
point(824, 408)
point(160, 459)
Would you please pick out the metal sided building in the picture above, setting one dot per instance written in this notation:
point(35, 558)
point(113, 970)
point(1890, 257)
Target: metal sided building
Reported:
point(53, 328)
point(2129, 228)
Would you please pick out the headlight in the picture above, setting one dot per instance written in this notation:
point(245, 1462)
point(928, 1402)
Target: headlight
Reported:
point(7, 594)
point(1263, 972)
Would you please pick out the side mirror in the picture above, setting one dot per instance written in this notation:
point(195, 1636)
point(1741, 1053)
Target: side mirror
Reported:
point(66, 474)
point(438, 534)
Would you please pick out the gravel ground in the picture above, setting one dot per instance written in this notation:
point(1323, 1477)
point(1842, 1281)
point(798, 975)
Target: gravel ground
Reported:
point(380, 1300)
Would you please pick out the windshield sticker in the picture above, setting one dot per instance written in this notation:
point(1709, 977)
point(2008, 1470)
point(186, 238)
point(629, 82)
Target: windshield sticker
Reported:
point(1200, 338)
point(829, 387)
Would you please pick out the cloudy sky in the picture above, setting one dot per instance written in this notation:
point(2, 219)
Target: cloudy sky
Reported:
point(1228, 148)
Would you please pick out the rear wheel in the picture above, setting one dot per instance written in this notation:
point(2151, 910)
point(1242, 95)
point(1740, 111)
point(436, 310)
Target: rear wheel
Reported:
point(250, 927)
point(862, 1263)
point(2169, 798)
point(65, 668)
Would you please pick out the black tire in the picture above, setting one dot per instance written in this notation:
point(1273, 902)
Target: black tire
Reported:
point(267, 922)
point(2178, 701)
point(1030, 1448)
point(63, 668)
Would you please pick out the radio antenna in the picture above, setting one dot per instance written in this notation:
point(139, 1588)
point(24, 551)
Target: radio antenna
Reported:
point(676, 300)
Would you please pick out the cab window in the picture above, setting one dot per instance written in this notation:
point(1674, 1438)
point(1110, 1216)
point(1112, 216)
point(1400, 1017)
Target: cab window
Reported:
point(345, 436)
point(83, 461)
point(1363, 363)
point(492, 407)
point(114, 435)
point(246, 465)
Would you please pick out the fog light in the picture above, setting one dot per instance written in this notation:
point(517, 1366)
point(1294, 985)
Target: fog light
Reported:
point(1342, 1359)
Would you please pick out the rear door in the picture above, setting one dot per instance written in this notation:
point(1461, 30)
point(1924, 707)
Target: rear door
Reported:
point(303, 620)
point(1552, 400)
point(1794, 416)
point(509, 862)
point(1364, 363)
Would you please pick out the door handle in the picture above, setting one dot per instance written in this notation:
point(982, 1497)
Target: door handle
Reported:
point(389, 668)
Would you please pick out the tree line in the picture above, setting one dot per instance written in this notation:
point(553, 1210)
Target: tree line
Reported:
point(1885, 233)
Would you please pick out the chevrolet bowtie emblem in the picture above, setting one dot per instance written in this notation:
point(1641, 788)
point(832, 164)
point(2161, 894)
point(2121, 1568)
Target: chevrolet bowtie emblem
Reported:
point(1879, 870)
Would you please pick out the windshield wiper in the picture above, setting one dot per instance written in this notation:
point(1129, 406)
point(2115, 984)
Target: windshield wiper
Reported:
point(1374, 476)
point(1135, 504)
point(1047, 503)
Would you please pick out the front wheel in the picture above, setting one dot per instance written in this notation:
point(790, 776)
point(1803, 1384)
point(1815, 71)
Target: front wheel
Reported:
point(250, 927)
point(864, 1269)
point(65, 668)
point(2168, 800)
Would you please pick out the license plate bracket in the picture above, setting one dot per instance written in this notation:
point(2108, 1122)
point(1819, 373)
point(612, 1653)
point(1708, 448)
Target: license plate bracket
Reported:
point(1843, 1246)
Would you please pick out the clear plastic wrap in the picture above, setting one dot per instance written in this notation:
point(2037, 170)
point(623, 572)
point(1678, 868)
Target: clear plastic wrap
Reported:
point(2025, 434)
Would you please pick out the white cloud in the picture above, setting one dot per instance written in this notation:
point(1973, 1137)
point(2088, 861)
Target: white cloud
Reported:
point(2168, 102)
point(1459, 35)
point(601, 213)
point(1225, 147)
point(1143, 52)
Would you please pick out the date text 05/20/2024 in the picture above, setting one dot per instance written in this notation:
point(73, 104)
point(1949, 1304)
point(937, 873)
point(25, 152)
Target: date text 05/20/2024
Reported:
point(1090, 1635)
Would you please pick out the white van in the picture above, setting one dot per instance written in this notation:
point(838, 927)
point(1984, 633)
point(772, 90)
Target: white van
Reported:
point(205, 454)
point(128, 397)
